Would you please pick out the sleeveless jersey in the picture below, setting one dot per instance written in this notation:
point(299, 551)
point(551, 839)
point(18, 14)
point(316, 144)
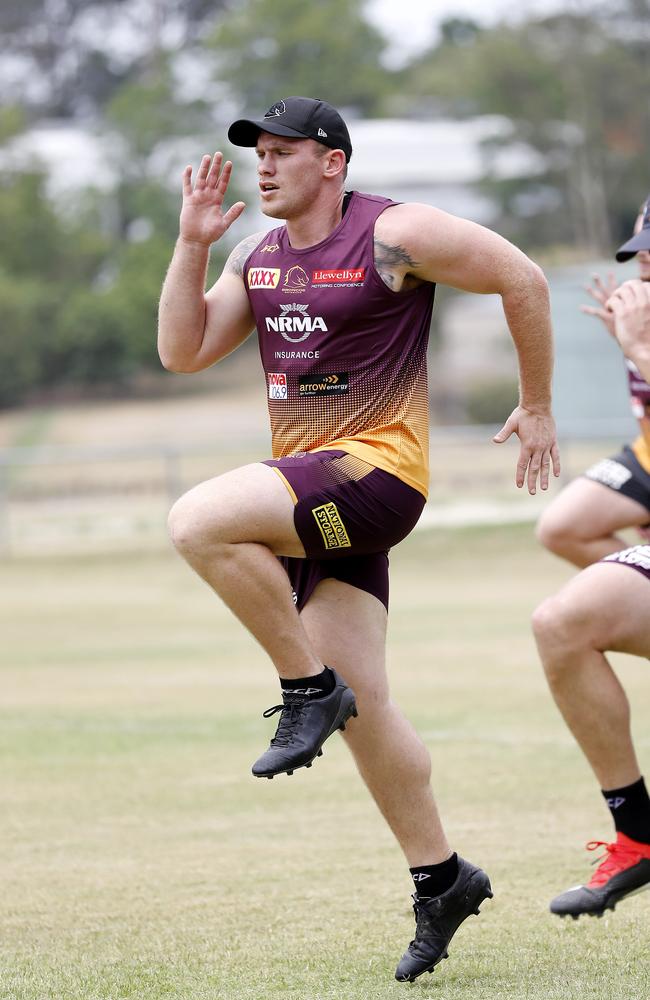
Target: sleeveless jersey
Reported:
point(640, 402)
point(344, 356)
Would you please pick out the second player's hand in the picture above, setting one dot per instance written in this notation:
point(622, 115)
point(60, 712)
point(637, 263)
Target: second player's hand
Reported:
point(600, 291)
point(203, 219)
point(538, 446)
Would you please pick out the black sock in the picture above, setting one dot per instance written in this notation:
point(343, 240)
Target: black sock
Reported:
point(314, 687)
point(630, 809)
point(433, 880)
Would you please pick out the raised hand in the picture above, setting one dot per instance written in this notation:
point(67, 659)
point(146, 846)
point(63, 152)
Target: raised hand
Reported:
point(203, 219)
point(600, 291)
point(630, 309)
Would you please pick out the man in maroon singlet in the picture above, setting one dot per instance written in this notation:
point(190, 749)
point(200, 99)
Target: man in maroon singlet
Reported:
point(583, 521)
point(297, 546)
point(606, 607)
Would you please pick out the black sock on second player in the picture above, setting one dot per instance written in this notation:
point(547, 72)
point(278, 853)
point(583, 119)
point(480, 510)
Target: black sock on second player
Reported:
point(630, 809)
point(433, 880)
point(317, 686)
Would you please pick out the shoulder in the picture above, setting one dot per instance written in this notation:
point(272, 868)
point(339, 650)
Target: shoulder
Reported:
point(404, 220)
point(397, 241)
point(243, 250)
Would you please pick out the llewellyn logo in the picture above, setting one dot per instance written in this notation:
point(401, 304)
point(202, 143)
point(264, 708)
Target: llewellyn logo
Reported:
point(295, 319)
point(263, 277)
point(331, 526)
point(339, 276)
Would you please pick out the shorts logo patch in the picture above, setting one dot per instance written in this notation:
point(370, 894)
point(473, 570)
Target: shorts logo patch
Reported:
point(610, 473)
point(333, 384)
point(277, 385)
point(638, 555)
point(331, 526)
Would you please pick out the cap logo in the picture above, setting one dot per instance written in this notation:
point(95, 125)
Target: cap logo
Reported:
point(321, 132)
point(277, 110)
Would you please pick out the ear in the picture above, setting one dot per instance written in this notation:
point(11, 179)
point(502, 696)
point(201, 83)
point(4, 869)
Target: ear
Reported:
point(333, 163)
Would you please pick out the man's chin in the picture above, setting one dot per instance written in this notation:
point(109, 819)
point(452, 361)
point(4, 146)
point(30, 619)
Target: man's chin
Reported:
point(273, 212)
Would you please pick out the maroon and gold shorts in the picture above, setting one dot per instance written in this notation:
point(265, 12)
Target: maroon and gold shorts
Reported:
point(348, 514)
point(637, 557)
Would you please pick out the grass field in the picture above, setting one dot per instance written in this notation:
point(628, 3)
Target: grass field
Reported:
point(141, 860)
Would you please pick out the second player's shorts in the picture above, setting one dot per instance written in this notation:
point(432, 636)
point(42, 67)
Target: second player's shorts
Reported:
point(625, 474)
point(637, 557)
point(347, 514)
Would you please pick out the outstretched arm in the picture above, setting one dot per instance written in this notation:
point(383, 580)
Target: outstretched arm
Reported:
point(194, 329)
point(442, 248)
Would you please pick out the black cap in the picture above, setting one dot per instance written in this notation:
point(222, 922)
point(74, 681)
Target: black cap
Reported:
point(639, 242)
point(299, 118)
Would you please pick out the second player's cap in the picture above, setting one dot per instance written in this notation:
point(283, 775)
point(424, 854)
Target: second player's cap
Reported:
point(298, 118)
point(641, 241)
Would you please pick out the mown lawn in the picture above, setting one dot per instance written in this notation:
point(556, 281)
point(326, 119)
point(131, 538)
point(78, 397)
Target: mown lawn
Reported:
point(140, 859)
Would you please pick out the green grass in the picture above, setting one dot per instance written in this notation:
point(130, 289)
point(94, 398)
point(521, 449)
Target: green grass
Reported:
point(139, 858)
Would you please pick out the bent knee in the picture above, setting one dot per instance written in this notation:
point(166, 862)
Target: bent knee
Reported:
point(545, 621)
point(562, 627)
point(556, 534)
point(188, 527)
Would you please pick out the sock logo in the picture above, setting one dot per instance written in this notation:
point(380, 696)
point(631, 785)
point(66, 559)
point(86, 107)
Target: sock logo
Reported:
point(615, 802)
point(304, 691)
point(420, 876)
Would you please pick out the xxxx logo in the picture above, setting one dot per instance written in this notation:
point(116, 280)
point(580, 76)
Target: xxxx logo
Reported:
point(263, 277)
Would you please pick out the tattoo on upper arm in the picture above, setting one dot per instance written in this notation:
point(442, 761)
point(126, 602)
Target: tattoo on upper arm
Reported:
point(237, 258)
point(389, 260)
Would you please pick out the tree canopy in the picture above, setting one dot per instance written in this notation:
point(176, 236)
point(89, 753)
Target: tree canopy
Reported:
point(80, 287)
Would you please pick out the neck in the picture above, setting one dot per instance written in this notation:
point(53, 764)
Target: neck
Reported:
point(316, 224)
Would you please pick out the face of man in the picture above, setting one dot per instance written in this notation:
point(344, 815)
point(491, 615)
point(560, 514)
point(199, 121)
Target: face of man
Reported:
point(643, 256)
point(290, 174)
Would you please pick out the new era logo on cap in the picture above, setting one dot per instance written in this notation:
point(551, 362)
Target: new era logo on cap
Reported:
point(297, 118)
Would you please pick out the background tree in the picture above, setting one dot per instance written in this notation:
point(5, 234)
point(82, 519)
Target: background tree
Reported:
point(267, 49)
point(66, 58)
point(572, 87)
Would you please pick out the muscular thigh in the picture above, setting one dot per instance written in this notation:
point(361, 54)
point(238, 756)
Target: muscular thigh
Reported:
point(249, 504)
point(610, 601)
point(592, 509)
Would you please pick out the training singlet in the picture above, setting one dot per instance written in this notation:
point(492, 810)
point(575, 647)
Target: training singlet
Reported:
point(344, 356)
point(640, 401)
